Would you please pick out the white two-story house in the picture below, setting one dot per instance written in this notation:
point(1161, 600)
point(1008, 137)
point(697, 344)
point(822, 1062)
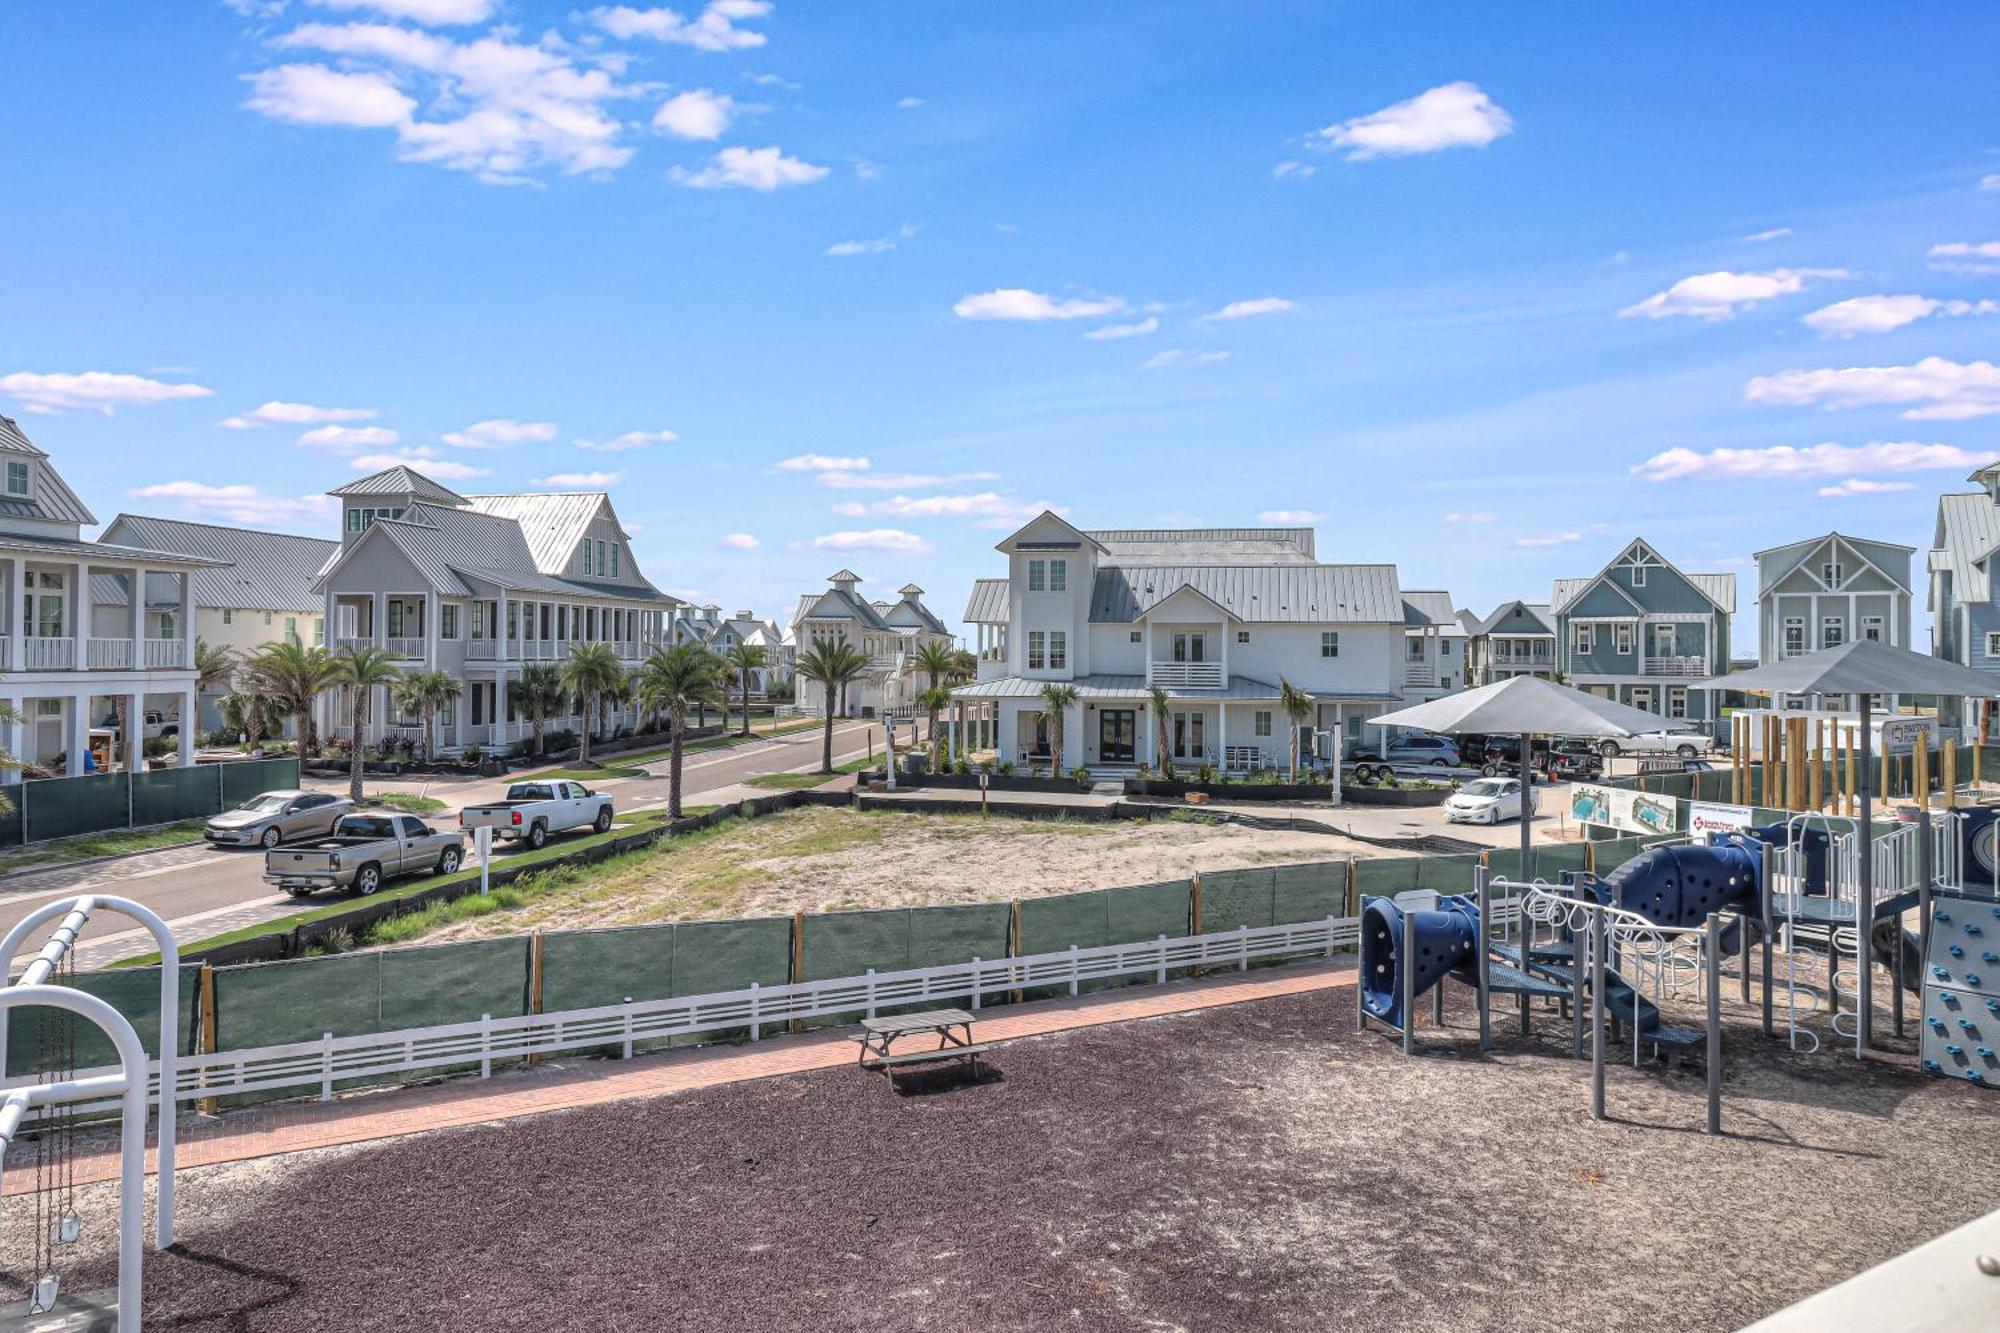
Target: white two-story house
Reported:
point(1643, 633)
point(888, 634)
point(1514, 639)
point(480, 586)
point(1214, 617)
point(1433, 646)
point(94, 636)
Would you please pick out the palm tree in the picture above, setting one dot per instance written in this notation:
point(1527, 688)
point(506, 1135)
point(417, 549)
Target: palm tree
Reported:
point(427, 692)
point(253, 708)
point(935, 660)
point(935, 700)
point(298, 675)
point(592, 669)
point(538, 695)
point(1056, 697)
point(1298, 706)
point(360, 668)
point(213, 666)
point(675, 680)
point(964, 665)
point(8, 762)
point(1163, 712)
point(745, 658)
point(832, 664)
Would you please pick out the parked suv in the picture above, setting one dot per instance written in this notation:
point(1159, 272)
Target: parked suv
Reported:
point(1436, 751)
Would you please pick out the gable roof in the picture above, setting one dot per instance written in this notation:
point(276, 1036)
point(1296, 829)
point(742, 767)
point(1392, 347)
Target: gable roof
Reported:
point(400, 480)
point(913, 614)
point(1539, 610)
point(989, 603)
point(552, 522)
point(262, 571)
point(1046, 516)
point(1968, 532)
point(1365, 594)
point(53, 500)
point(1786, 559)
point(839, 604)
point(1427, 607)
point(1718, 588)
point(1195, 546)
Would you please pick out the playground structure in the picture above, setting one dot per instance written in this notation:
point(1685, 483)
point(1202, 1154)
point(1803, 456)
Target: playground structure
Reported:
point(48, 1102)
point(1791, 901)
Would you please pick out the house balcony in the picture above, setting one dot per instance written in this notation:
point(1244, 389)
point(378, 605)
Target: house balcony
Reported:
point(1417, 676)
point(1681, 666)
point(165, 655)
point(1545, 657)
point(408, 650)
point(38, 654)
point(1186, 675)
point(107, 654)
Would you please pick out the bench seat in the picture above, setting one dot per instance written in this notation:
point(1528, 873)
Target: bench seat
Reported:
point(919, 1057)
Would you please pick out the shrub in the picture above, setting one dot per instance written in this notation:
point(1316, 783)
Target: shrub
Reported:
point(523, 748)
point(160, 745)
point(472, 754)
point(1080, 775)
point(1205, 774)
point(962, 768)
point(1007, 770)
point(559, 740)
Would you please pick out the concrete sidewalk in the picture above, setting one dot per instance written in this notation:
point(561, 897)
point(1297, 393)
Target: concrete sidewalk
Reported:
point(236, 1136)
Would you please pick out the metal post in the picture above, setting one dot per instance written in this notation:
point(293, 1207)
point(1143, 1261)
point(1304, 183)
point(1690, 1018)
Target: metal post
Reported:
point(1712, 946)
point(1485, 979)
point(1408, 982)
point(482, 843)
point(756, 1023)
point(628, 1027)
point(1160, 973)
point(1527, 873)
point(1764, 898)
point(1597, 945)
point(486, 1046)
point(1864, 915)
point(1743, 952)
point(326, 1066)
point(1579, 958)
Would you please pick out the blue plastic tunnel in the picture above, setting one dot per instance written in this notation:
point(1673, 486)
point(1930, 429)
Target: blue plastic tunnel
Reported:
point(1445, 940)
point(1680, 885)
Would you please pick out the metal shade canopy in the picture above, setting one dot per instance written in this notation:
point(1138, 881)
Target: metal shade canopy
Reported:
point(1524, 705)
point(1861, 667)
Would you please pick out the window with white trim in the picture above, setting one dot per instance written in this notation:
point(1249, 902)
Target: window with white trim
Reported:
point(448, 621)
point(1038, 575)
point(1638, 576)
point(1583, 639)
point(1993, 645)
point(1677, 702)
point(1243, 636)
point(1263, 722)
point(17, 478)
point(1037, 650)
point(1872, 628)
point(1832, 632)
point(1058, 576)
point(1058, 650)
point(1829, 573)
point(1795, 634)
point(1329, 643)
point(1138, 636)
point(228, 616)
point(1413, 648)
point(1622, 640)
point(614, 560)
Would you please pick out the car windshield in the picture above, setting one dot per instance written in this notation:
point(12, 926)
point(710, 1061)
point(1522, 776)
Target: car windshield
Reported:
point(265, 805)
point(1487, 787)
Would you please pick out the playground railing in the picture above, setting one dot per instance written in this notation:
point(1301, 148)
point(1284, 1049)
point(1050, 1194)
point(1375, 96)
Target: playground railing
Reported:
point(318, 1066)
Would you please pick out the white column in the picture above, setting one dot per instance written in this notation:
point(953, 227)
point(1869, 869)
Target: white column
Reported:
point(134, 738)
point(1221, 736)
point(379, 618)
point(137, 629)
point(78, 723)
point(432, 611)
point(186, 732)
point(187, 627)
point(80, 600)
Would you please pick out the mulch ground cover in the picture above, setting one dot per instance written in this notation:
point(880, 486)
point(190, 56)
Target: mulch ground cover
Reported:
point(1254, 1167)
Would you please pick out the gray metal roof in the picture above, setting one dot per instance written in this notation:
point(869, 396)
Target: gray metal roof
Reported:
point(1191, 546)
point(14, 441)
point(989, 602)
point(1539, 610)
point(1718, 588)
point(400, 480)
point(1310, 594)
point(839, 604)
point(451, 545)
point(1968, 531)
point(266, 571)
point(552, 522)
point(1429, 607)
point(64, 548)
point(1116, 687)
point(53, 499)
point(911, 613)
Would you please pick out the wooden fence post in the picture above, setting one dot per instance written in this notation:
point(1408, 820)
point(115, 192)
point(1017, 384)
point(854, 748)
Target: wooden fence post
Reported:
point(534, 981)
point(1014, 941)
point(1950, 775)
point(1817, 776)
point(205, 998)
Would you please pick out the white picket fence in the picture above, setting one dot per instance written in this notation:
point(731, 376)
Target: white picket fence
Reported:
point(308, 1067)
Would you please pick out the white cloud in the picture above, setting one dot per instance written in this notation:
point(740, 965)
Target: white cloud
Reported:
point(296, 414)
point(1936, 389)
point(1774, 234)
point(1293, 169)
point(426, 461)
point(498, 108)
point(343, 439)
point(92, 391)
point(1290, 517)
point(631, 439)
point(1976, 257)
point(1262, 305)
point(1182, 356)
point(737, 541)
point(866, 170)
point(714, 29)
point(877, 246)
point(1476, 516)
point(1150, 324)
point(1022, 304)
point(893, 540)
point(909, 103)
point(1989, 184)
point(695, 114)
point(1880, 314)
point(1720, 295)
point(1857, 486)
point(843, 480)
point(316, 95)
point(580, 481)
point(822, 463)
point(1816, 460)
point(500, 433)
point(984, 504)
point(240, 503)
point(433, 13)
point(763, 169)
point(1452, 115)
point(1549, 539)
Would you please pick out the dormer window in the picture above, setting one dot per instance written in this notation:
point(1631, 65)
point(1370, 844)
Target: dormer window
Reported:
point(19, 479)
point(1829, 573)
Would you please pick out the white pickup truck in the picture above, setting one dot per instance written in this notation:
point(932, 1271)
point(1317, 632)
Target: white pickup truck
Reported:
point(1685, 744)
point(534, 810)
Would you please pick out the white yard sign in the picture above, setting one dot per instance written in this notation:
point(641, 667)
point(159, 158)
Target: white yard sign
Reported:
point(1621, 809)
point(1708, 817)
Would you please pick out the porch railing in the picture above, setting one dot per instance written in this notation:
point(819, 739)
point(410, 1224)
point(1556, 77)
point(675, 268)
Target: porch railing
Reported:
point(166, 654)
point(1691, 666)
point(108, 654)
point(41, 654)
point(1190, 675)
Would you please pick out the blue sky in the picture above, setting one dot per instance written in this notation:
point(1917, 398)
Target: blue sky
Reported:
point(1483, 291)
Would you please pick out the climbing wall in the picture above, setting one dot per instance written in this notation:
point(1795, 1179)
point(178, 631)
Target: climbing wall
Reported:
point(1962, 992)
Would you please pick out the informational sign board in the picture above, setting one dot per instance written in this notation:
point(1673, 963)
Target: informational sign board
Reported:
point(1901, 735)
point(1709, 817)
point(1617, 808)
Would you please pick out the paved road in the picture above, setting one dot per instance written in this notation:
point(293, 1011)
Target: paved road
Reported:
point(203, 891)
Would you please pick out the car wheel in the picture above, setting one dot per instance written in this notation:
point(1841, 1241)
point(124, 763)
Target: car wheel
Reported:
point(448, 861)
point(1686, 751)
point(603, 824)
point(300, 893)
point(1489, 771)
point(538, 836)
point(368, 880)
point(1609, 749)
point(269, 838)
point(1440, 763)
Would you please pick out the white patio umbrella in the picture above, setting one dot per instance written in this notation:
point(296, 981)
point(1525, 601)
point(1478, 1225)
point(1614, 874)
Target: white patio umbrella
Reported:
point(1524, 706)
point(1866, 668)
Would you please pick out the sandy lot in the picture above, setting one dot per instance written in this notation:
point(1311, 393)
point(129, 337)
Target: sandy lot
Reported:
point(1258, 1167)
point(820, 860)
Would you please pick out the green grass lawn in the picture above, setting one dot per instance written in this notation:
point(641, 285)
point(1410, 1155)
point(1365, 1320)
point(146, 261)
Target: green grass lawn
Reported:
point(631, 764)
point(799, 781)
point(88, 845)
point(407, 801)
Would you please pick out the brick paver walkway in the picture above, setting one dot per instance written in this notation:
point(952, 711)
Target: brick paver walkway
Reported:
point(237, 1136)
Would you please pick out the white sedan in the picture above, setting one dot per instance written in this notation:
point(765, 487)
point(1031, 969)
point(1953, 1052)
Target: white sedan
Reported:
point(1486, 801)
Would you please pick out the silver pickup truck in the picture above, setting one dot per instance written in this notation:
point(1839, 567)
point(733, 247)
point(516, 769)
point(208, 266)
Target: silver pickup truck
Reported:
point(363, 853)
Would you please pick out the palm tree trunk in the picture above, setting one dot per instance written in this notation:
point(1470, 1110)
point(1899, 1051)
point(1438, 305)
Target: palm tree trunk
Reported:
point(430, 733)
point(354, 757)
point(540, 729)
point(826, 750)
point(583, 737)
point(679, 725)
point(746, 703)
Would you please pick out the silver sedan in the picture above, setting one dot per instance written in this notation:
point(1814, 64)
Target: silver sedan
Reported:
point(275, 817)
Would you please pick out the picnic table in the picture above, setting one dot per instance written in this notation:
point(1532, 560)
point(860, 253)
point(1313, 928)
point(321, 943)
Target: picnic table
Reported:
point(952, 1027)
